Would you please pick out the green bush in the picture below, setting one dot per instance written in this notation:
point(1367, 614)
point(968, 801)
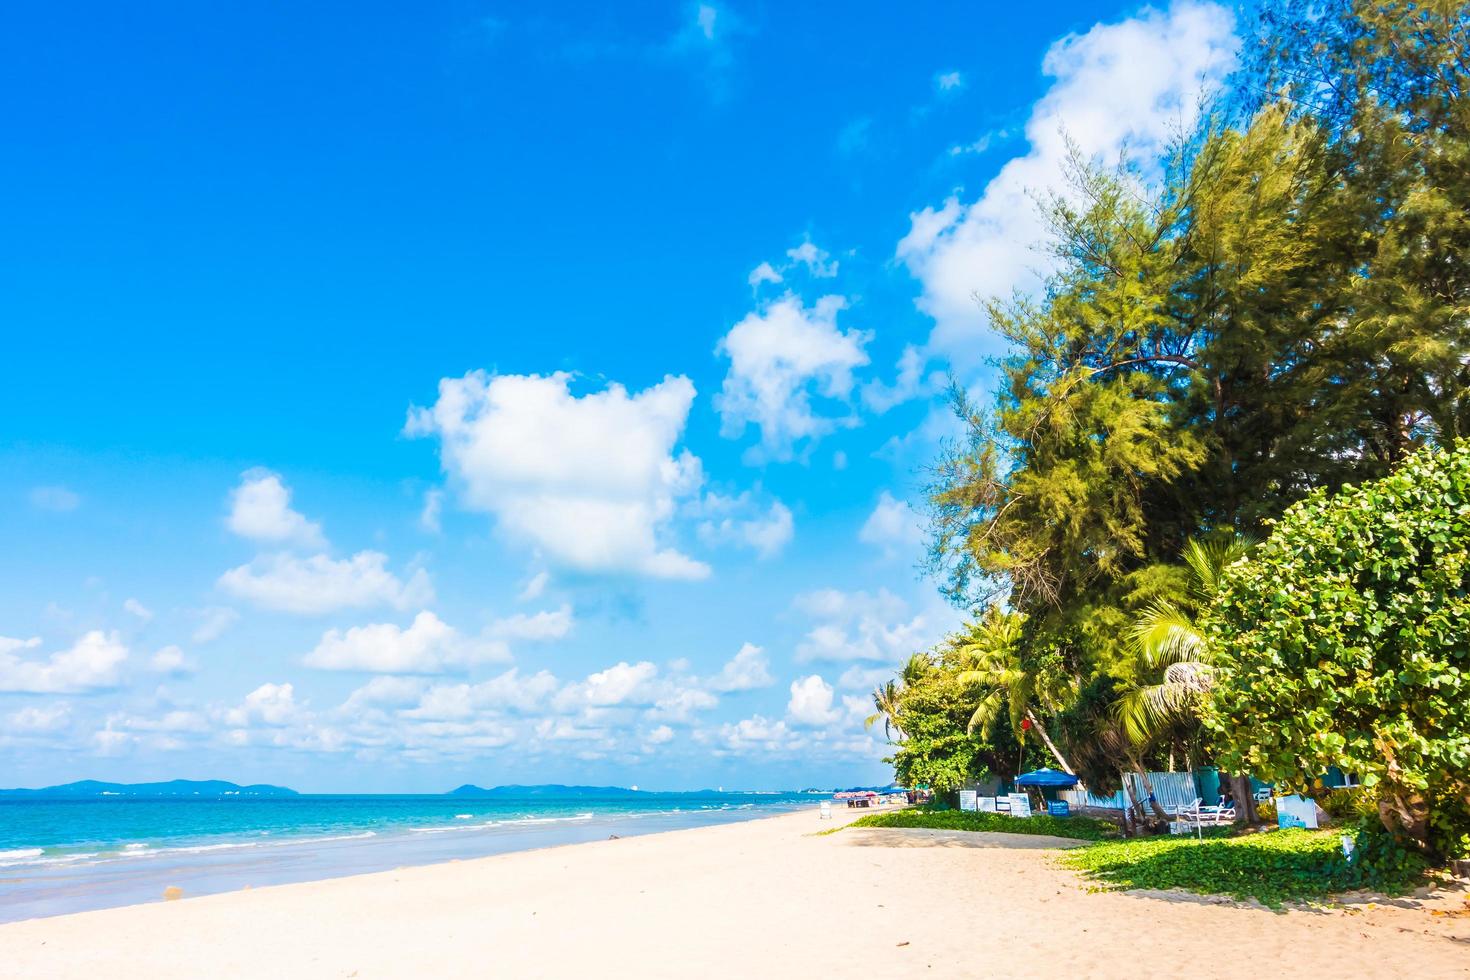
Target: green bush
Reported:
point(1345, 640)
point(1075, 828)
point(1280, 866)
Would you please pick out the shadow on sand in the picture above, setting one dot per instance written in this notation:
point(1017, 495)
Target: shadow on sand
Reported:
point(913, 837)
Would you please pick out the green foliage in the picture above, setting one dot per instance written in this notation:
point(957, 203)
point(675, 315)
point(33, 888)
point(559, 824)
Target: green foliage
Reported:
point(1346, 641)
point(932, 710)
point(1280, 866)
point(1073, 828)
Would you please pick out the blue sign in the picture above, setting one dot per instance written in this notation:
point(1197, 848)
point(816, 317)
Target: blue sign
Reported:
point(1058, 808)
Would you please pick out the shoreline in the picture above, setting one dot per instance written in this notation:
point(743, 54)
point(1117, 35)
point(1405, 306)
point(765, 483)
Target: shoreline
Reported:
point(140, 877)
point(768, 894)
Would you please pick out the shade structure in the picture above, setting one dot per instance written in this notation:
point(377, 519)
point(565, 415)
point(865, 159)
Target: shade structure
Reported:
point(1047, 777)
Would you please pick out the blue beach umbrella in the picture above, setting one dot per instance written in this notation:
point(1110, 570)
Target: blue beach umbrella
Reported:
point(1048, 778)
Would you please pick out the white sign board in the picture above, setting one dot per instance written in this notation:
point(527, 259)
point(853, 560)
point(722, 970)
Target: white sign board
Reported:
point(1296, 811)
point(986, 804)
point(1020, 805)
point(967, 800)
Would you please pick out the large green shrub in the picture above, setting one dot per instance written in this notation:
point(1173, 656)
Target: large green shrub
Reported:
point(1345, 640)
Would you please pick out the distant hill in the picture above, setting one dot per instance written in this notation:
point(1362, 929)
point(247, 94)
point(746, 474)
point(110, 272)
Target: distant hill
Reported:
point(88, 788)
point(553, 791)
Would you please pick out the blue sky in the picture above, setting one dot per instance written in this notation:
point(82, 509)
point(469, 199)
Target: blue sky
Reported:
point(401, 396)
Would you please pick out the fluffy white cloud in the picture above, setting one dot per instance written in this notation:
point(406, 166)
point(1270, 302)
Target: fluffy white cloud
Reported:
point(272, 705)
point(893, 526)
point(763, 273)
point(1128, 85)
point(39, 718)
point(427, 646)
point(860, 626)
point(170, 660)
point(811, 702)
point(908, 382)
point(549, 624)
point(319, 584)
point(622, 683)
point(741, 521)
point(819, 265)
point(136, 608)
point(746, 671)
point(660, 735)
point(509, 692)
point(781, 356)
point(758, 733)
point(949, 81)
point(260, 509)
point(91, 664)
point(592, 481)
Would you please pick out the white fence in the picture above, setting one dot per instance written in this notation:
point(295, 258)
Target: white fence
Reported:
point(1172, 789)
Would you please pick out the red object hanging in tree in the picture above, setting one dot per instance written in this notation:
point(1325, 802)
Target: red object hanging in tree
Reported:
point(1025, 724)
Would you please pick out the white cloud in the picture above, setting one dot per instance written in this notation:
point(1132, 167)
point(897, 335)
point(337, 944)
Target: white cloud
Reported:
point(811, 702)
point(320, 584)
point(861, 626)
point(660, 735)
point(534, 587)
point(91, 664)
point(819, 265)
point(781, 356)
point(856, 678)
point(56, 499)
point(893, 526)
point(137, 609)
point(508, 692)
point(622, 683)
point(908, 383)
point(427, 646)
point(592, 480)
point(1129, 84)
point(271, 705)
point(740, 521)
point(761, 274)
point(260, 509)
point(747, 670)
point(758, 733)
point(40, 718)
point(213, 623)
point(433, 506)
point(170, 660)
point(549, 624)
point(949, 81)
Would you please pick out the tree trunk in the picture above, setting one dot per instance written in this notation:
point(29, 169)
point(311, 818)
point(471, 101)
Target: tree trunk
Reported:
point(1153, 801)
point(1041, 730)
point(1245, 800)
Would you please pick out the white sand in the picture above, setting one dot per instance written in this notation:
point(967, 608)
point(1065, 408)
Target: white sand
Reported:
point(758, 899)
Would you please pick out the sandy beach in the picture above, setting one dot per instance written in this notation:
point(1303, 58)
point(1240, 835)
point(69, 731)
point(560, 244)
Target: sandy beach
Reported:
point(767, 897)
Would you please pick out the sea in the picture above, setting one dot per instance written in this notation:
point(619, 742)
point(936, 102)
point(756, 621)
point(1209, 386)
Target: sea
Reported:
point(61, 856)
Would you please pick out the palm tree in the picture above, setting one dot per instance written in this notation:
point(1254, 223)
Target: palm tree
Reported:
point(1171, 648)
point(994, 665)
point(888, 696)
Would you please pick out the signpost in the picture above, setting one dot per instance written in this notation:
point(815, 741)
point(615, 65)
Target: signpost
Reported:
point(968, 800)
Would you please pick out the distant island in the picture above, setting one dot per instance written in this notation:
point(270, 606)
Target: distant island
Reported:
point(553, 791)
point(90, 788)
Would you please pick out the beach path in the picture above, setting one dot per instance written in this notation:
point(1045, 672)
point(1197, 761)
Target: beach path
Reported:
point(765, 898)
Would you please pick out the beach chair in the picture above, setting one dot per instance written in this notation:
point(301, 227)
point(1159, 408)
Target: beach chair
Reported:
point(826, 810)
point(1186, 817)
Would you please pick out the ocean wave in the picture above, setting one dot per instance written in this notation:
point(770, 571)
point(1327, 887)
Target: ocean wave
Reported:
point(21, 855)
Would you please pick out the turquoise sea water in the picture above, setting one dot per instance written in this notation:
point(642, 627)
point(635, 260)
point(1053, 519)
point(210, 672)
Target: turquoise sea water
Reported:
point(59, 856)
